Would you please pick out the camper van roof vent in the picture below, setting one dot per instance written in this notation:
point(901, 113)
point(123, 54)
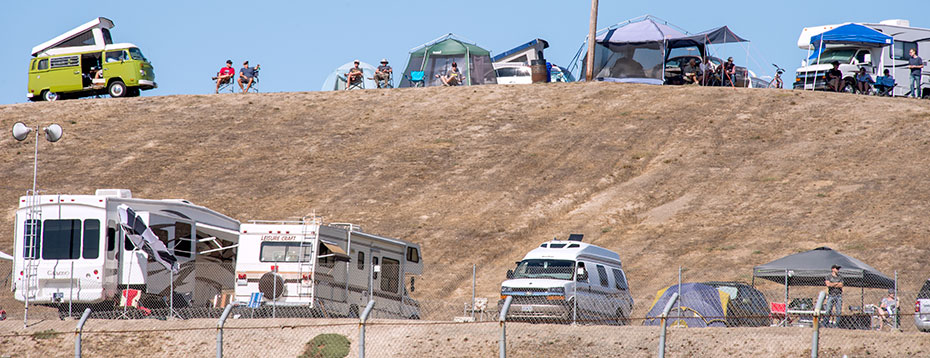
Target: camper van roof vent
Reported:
point(896, 22)
point(575, 237)
point(119, 193)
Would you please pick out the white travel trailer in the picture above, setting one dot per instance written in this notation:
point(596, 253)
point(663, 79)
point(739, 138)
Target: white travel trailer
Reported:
point(334, 269)
point(875, 59)
point(566, 281)
point(72, 248)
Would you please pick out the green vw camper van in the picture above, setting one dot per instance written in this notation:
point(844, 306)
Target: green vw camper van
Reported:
point(85, 62)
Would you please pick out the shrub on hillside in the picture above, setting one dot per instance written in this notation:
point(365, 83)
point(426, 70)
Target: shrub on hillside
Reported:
point(327, 345)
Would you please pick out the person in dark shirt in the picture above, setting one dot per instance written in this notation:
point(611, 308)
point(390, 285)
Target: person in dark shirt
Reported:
point(916, 64)
point(834, 282)
point(383, 73)
point(835, 80)
point(729, 72)
point(354, 75)
point(247, 76)
point(863, 81)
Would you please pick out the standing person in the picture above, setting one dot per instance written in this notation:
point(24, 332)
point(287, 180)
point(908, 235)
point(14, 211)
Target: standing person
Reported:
point(916, 64)
point(834, 284)
point(225, 75)
point(247, 76)
point(383, 73)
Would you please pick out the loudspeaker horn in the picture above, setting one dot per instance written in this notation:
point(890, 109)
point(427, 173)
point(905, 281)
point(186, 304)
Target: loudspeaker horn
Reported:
point(53, 133)
point(20, 131)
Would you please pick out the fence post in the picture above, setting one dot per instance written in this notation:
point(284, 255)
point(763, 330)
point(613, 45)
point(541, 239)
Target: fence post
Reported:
point(815, 341)
point(361, 331)
point(219, 329)
point(78, 331)
point(663, 319)
point(503, 322)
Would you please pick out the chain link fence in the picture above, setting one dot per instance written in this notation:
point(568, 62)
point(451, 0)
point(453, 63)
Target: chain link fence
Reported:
point(582, 319)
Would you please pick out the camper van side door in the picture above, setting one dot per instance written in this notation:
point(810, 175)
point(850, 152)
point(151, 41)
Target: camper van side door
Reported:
point(64, 73)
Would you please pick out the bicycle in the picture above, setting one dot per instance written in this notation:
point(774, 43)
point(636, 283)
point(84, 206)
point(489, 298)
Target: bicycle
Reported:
point(777, 81)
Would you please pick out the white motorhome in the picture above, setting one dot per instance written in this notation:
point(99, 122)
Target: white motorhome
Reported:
point(875, 59)
point(334, 269)
point(72, 248)
point(567, 281)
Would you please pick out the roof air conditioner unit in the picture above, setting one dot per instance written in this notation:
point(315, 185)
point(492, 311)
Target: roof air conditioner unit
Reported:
point(118, 193)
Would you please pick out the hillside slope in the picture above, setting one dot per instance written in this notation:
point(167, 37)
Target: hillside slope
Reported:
point(714, 179)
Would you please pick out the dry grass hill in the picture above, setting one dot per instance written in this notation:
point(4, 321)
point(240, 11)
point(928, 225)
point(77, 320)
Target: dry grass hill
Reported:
point(714, 179)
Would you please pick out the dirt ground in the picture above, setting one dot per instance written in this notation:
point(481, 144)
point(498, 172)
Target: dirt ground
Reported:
point(716, 180)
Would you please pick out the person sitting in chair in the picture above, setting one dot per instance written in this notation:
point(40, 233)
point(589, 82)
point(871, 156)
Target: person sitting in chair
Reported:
point(355, 75)
point(451, 78)
point(888, 308)
point(689, 72)
point(863, 81)
point(247, 76)
point(835, 81)
point(383, 73)
point(225, 75)
point(884, 84)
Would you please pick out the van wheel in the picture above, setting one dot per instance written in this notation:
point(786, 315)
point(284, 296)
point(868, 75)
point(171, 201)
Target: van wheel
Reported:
point(621, 318)
point(49, 96)
point(117, 89)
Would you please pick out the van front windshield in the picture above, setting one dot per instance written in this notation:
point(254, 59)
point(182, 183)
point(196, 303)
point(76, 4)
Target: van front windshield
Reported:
point(841, 55)
point(540, 268)
point(136, 54)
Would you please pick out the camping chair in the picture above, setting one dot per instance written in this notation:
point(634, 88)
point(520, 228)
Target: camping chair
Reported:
point(227, 84)
point(389, 83)
point(778, 312)
point(359, 83)
point(417, 78)
point(255, 81)
point(884, 85)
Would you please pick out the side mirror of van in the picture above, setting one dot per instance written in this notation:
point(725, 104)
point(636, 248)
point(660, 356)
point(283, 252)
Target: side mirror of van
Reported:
point(867, 59)
point(582, 274)
point(509, 274)
point(803, 63)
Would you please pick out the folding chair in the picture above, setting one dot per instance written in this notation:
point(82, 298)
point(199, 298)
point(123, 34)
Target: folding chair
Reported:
point(227, 84)
point(778, 312)
point(255, 81)
point(389, 83)
point(359, 83)
point(417, 78)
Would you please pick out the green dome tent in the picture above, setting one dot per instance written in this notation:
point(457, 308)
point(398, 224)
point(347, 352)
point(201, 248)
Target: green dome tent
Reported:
point(436, 57)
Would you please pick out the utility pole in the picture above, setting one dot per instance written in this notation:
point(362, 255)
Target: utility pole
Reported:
point(592, 29)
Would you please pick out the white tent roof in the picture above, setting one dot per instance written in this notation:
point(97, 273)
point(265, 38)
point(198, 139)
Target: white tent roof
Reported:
point(334, 83)
point(100, 22)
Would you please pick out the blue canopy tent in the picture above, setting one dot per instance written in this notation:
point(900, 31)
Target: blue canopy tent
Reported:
point(850, 34)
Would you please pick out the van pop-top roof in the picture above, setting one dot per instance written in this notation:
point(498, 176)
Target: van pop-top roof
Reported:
point(90, 36)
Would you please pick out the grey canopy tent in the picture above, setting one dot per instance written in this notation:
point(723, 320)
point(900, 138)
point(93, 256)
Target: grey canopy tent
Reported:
point(810, 268)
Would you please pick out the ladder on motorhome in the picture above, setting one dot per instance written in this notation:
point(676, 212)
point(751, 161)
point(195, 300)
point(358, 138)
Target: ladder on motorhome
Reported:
point(306, 284)
point(31, 234)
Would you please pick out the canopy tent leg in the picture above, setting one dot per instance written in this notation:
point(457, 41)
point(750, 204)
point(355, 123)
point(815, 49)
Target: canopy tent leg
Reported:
point(819, 53)
point(785, 322)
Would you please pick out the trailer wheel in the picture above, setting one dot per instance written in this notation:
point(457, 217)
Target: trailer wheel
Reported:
point(117, 89)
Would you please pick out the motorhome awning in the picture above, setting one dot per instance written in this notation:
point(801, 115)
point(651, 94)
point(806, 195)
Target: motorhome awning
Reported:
point(218, 232)
point(335, 251)
point(849, 34)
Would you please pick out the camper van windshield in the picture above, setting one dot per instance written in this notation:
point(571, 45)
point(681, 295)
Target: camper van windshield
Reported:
point(841, 55)
point(539, 268)
point(137, 54)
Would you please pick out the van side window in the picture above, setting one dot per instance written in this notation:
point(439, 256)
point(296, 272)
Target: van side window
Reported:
point(619, 280)
point(116, 56)
point(43, 64)
point(582, 278)
point(413, 255)
point(361, 260)
point(64, 61)
point(602, 275)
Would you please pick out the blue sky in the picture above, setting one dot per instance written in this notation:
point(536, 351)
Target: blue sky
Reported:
point(298, 43)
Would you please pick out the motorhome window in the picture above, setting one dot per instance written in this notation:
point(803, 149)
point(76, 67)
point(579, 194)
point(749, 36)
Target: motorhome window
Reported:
point(543, 245)
point(542, 268)
point(111, 238)
point(390, 275)
point(902, 50)
point(374, 262)
point(413, 255)
point(61, 240)
point(91, 246)
point(329, 260)
point(619, 280)
point(361, 260)
point(107, 39)
point(183, 244)
point(43, 64)
point(283, 252)
point(116, 56)
point(137, 54)
point(31, 230)
point(840, 55)
point(602, 274)
point(860, 57)
point(84, 39)
point(66, 61)
point(556, 246)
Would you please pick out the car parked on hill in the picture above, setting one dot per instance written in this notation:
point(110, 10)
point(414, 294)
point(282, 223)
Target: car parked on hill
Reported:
point(747, 305)
point(922, 308)
point(673, 70)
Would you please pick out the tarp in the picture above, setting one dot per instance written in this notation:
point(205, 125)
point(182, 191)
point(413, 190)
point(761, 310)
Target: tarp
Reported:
point(143, 238)
point(436, 58)
point(699, 305)
point(810, 268)
point(336, 81)
point(717, 36)
point(849, 34)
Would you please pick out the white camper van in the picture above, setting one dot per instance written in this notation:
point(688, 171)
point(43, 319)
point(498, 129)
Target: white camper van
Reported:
point(334, 269)
point(567, 281)
point(73, 248)
point(875, 59)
